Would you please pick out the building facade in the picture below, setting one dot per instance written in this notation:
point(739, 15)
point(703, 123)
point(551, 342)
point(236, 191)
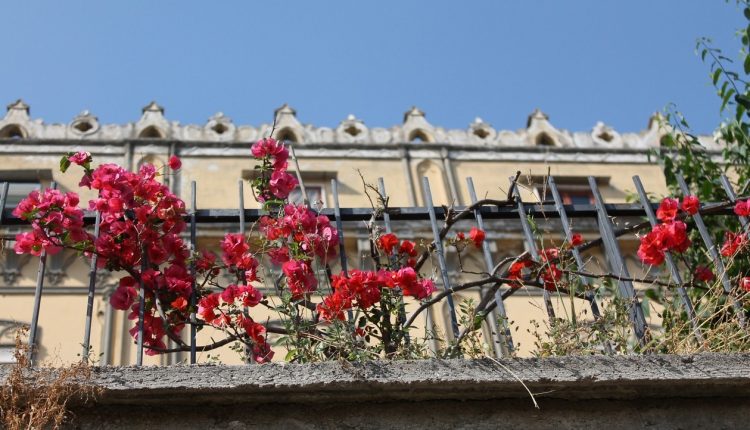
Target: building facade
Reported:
point(216, 157)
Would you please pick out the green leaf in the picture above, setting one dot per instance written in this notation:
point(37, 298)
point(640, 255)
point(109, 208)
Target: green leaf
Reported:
point(747, 65)
point(64, 163)
point(747, 13)
point(725, 99)
point(715, 77)
point(743, 100)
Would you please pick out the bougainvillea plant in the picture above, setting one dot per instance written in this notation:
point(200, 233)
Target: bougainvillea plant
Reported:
point(140, 238)
point(320, 314)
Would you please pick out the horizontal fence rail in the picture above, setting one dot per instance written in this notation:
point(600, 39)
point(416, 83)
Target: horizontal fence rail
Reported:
point(546, 210)
point(512, 209)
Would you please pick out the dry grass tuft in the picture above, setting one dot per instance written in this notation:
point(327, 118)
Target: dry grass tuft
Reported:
point(36, 398)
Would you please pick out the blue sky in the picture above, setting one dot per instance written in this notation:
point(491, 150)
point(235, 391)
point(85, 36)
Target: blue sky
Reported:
point(579, 61)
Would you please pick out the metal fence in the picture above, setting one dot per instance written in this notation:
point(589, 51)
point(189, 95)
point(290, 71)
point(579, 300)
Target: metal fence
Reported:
point(519, 210)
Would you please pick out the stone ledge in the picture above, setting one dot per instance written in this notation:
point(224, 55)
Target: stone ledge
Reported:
point(569, 378)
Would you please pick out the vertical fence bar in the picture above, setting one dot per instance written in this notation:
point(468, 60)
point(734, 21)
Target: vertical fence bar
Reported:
point(3, 199)
point(249, 359)
point(568, 232)
point(503, 339)
point(90, 298)
point(733, 198)
point(141, 308)
point(388, 229)
point(193, 294)
point(340, 228)
point(686, 303)
point(718, 263)
point(531, 243)
point(305, 200)
point(38, 299)
point(427, 194)
point(617, 264)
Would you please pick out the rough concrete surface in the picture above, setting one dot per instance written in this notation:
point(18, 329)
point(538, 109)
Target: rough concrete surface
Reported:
point(700, 391)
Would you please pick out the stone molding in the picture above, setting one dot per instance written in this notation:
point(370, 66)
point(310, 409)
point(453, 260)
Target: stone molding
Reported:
point(415, 130)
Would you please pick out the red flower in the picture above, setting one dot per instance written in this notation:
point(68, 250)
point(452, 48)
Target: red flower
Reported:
point(550, 276)
point(742, 208)
point(733, 243)
point(387, 242)
point(667, 209)
point(745, 283)
point(650, 250)
point(250, 296)
point(174, 162)
point(408, 248)
point(179, 303)
point(233, 247)
point(548, 254)
point(477, 236)
point(300, 277)
point(691, 204)
point(516, 269)
point(123, 297)
point(705, 274)
point(576, 240)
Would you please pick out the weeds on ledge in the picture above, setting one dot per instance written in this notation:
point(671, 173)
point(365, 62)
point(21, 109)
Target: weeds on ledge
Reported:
point(38, 397)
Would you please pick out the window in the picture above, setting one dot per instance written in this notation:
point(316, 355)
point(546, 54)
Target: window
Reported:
point(574, 190)
point(315, 195)
point(571, 195)
point(18, 191)
point(22, 182)
point(317, 185)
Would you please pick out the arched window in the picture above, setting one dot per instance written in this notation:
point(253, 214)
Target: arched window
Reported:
point(418, 136)
point(151, 132)
point(544, 139)
point(287, 135)
point(12, 131)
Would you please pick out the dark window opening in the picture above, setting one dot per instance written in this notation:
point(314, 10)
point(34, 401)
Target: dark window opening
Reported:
point(12, 132)
point(151, 132)
point(83, 126)
point(220, 128)
point(544, 140)
point(418, 136)
point(287, 135)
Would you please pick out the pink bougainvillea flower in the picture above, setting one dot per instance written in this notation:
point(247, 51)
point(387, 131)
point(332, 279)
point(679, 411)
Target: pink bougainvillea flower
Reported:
point(80, 158)
point(282, 183)
point(745, 283)
point(300, 277)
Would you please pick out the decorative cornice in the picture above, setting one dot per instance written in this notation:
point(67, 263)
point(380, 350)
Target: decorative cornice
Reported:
point(416, 130)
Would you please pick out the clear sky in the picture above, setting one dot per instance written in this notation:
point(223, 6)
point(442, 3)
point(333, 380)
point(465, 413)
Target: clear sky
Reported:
point(579, 61)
